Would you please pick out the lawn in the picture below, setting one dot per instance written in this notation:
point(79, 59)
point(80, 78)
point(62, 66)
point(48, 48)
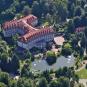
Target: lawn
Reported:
point(82, 74)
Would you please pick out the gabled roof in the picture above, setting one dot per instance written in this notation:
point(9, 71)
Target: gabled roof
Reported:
point(17, 23)
point(25, 23)
point(37, 33)
point(80, 29)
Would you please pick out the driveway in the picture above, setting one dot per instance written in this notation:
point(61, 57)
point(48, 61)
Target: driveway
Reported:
point(41, 65)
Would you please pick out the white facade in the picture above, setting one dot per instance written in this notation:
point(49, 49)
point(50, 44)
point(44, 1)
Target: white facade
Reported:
point(9, 32)
point(39, 42)
point(12, 32)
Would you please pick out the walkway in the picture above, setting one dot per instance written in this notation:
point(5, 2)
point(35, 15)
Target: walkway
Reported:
point(84, 64)
point(83, 81)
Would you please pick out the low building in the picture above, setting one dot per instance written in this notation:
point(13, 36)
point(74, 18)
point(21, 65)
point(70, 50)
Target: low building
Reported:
point(59, 40)
point(80, 29)
point(29, 35)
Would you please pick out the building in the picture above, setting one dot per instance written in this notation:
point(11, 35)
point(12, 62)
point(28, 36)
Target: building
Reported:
point(29, 35)
point(80, 29)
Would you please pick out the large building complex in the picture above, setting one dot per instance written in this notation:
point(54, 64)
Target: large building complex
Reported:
point(30, 36)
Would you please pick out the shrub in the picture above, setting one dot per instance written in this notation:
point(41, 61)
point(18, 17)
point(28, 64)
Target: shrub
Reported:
point(86, 66)
point(66, 50)
point(85, 57)
point(51, 57)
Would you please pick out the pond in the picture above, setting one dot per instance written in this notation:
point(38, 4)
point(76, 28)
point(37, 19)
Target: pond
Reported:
point(41, 65)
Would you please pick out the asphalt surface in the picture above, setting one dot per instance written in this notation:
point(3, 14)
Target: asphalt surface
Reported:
point(41, 65)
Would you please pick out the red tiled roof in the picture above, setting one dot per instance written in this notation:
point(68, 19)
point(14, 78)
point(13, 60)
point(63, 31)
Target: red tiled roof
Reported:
point(17, 23)
point(35, 34)
point(80, 29)
point(25, 23)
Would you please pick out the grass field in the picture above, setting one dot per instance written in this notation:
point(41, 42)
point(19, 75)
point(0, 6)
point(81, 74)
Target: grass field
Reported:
point(82, 74)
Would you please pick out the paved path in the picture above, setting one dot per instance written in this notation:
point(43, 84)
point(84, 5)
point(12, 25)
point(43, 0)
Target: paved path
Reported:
point(83, 66)
point(83, 81)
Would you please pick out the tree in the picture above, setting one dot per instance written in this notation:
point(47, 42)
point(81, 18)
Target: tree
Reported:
point(45, 8)
point(85, 32)
point(4, 47)
point(42, 83)
point(25, 72)
point(18, 16)
point(2, 85)
point(64, 82)
point(71, 27)
point(78, 11)
point(83, 3)
point(60, 82)
point(51, 57)
point(13, 83)
point(7, 15)
point(48, 18)
point(85, 8)
point(26, 10)
point(74, 42)
point(53, 84)
point(36, 9)
point(48, 46)
point(4, 78)
point(83, 20)
point(46, 74)
point(4, 62)
point(76, 78)
point(28, 55)
point(23, 82)
point(77, 22)
point(15, 65)
point(58, 73)
point(67, 49)
point(72, 1)
point(61, 12)
point(71, 8)
point(66, 72)
point(86, 66)
point(5, 4)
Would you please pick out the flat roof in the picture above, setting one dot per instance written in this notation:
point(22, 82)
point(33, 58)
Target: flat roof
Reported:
point(59, 40)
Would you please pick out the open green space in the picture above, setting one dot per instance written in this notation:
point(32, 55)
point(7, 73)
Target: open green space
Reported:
point(82, 74)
